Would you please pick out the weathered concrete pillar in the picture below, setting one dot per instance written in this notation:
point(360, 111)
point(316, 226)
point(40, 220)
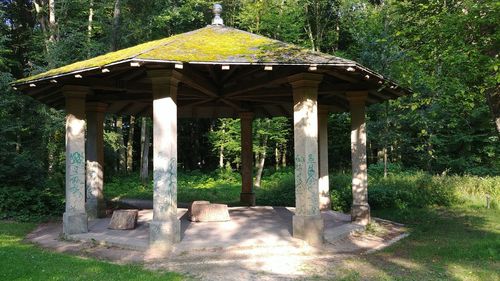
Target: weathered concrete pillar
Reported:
point(165, 227)
point(324, 181)
point(75, 218)
point(95, 204)
point(360, 211)
point(247, 195)
point(307, 221)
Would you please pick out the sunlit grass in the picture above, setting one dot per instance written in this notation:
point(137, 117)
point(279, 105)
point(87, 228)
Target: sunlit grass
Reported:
point(20, 261)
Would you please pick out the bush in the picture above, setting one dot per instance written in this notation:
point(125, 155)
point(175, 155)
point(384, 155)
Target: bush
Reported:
point(277, 188)
point(414, 190)
point(30, 204)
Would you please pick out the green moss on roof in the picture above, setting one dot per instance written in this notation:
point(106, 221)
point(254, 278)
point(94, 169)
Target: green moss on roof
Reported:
point(211, 44)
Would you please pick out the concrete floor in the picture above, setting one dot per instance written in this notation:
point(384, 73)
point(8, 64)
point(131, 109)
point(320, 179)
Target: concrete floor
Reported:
point(248, 228)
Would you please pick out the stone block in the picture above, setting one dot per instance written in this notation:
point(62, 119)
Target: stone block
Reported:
point(309, 228)
point(75, 223)
point(360, 214)
point(124, 219)
point(209, 213)
point(190, 207)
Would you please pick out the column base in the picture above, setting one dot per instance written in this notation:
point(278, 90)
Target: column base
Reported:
point(95, 208)
point(360, 213)
point(309, 228)
point(247, 198)
point(164, 234)
point(75, 223)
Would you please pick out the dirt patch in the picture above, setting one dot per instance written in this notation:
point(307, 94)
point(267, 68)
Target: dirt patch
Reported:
point(281, 262)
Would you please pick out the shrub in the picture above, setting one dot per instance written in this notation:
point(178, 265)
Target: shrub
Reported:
point(30, 204)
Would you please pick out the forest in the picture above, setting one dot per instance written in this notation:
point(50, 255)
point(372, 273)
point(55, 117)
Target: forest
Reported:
point(433, 155)
point(445, 51)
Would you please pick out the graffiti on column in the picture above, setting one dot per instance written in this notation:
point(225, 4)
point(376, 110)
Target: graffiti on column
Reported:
point(299, 170)
point(311, 171)
point(76, 165)
point(165, 184)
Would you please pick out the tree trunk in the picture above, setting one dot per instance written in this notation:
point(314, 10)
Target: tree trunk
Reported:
point(384, 151)
point(144, 152)
point(130, 145)
point(276, 158)
point(52, 21)
point(260, 164)
point(43, 21)
point(90, 27)
point(122, 158)
point(221, 157)
point(116, 26)
point(283, 157)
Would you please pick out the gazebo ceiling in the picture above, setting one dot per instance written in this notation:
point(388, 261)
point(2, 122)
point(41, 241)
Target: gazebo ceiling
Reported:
point(224, 71)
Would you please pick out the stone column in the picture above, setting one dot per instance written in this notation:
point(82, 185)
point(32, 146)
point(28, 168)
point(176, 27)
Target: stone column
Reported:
point(75, 217)
point(247, 195)
point(324, 181)
point(95, 159)
point(307, 221)
point(165, 227)
point(360, 211)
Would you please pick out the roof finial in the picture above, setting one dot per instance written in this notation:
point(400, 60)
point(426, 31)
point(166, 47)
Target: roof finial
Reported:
point(217, 20)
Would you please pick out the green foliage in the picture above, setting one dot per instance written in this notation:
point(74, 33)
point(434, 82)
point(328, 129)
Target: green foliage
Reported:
point(417, 189)
point(24, 204)
point(400, 190)
point(22, 261)
point(277, 188)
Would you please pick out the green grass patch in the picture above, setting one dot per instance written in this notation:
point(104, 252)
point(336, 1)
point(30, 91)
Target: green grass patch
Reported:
point(220, 186)
point(453, 243)
point(20, 261)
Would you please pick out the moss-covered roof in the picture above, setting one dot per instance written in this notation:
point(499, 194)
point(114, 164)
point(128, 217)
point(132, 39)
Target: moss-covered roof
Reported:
point(211, 44)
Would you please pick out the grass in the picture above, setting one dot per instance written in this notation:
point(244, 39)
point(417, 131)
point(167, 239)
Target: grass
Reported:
point(20, 261)
point(452, 235)
point(454, 243)
point(220, 186)
point(453, 238)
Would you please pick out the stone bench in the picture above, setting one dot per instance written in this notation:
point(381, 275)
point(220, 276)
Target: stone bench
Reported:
point(124, 219)
point(204, 211)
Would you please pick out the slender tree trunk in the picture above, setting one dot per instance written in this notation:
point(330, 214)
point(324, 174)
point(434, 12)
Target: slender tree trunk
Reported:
point(90, 27)
point(221, 157)
point(52, 21)
point(116, 26)
point(283, 156)
point(144, 174)
point(276, 158)
point(130, 145)
point(18, 143)
point(260, 164)
point(122, 158)
point(385, 161)
point(43, 21)
point(386, 142)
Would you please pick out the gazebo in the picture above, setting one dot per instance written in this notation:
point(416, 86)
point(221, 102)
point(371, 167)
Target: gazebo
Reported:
point(212, 72)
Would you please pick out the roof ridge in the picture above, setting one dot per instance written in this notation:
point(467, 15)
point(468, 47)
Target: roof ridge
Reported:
point(164, 44)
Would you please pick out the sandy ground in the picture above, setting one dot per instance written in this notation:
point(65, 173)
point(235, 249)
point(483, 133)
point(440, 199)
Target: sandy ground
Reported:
point(258, 262)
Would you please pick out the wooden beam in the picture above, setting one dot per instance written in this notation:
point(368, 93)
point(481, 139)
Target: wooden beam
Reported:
point(229, 73)
point(200, 83)
point(117, 106)
point(213, 74)
point(254, 84)
point(232, 104)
